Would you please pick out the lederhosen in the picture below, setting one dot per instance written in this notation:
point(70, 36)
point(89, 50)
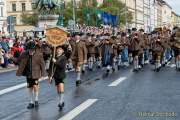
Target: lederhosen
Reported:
point(28, 73)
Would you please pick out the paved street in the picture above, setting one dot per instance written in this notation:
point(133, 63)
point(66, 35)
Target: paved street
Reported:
point(123, 95)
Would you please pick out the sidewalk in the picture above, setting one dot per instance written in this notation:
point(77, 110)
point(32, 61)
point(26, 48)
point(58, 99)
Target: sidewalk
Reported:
point(8, 69)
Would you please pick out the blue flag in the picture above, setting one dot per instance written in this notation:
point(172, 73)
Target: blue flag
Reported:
point(108, 19)
point(105, 18)
point(113, 19)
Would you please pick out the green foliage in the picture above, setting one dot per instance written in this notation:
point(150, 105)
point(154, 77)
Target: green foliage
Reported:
point(119, 9)
point(86, 11)
point(30, 19)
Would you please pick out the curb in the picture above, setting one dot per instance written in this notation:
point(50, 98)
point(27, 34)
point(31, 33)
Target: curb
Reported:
point(3, 70)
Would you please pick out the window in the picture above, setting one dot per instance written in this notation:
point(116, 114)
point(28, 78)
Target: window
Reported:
point(32, 5)
point(13, 7)
point(1, 11)
point(23, 6)
point(14, 20)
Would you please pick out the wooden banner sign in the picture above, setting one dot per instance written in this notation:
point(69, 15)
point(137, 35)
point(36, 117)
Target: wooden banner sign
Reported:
point(56, 36)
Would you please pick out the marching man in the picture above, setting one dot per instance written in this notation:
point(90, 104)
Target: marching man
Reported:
point(79, 56)
point(32, 66)
point(59, 71)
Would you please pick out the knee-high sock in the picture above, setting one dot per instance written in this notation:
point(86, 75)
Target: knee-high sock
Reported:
point(31, 95)
point(108, 67)
point(178, 63)
point(119, 60)
point(142, 62)
point(114, 63)
point(36, 95)
point(61, 97)
point(99, 62)
point(150, 56)
point(78, 76)
point(91, 63)
point(130, 58)
point(156, 64)
point(136, 62)
point(83, 67)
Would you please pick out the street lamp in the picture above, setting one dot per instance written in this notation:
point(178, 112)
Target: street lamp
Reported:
point(74, 15)
point(61, 14)
point(126, 14)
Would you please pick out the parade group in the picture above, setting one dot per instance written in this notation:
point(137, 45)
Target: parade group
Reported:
point(93, 48)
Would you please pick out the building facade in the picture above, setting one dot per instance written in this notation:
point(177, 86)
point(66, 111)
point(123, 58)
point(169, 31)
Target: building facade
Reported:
point(147, 14)
point(141, 10)
point(166, 14)
point(174, 20)
point(17, 8)
point(152, 15)
point(3, 16)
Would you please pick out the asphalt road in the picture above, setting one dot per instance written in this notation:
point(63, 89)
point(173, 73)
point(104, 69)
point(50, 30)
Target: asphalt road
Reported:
point(123, 95)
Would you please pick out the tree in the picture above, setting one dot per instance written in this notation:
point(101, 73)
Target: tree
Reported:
point(86, 11)
point(30, 19)
point(117, 8)
point(111, 6)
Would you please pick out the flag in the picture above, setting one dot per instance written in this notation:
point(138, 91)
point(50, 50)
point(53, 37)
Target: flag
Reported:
point(99, 14)
point(105, 18)
point(113, 20)
point(87, 15)
point(60, 21)
point(98, 17)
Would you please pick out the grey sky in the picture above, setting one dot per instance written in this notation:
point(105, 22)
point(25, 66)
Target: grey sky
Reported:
point(175, 4)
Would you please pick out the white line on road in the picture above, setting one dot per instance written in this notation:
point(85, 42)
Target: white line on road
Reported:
point(10, 89)
point(117, 82)
point(76, 111)
point(7, 70)
point(16, 87)
point(12, 116)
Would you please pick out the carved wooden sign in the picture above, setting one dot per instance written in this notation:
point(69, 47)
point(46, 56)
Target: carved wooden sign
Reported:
point(56, 36)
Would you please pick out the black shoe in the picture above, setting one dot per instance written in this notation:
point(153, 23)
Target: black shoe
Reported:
point(119, 67)
point(83, 71)
point(30, 106)
point(113, 69)
point(142, 66)
point(135, 70)
point(90, 69)
point(99, 67)
point(163, 65)
point(61, 106)
point(36, 104)
point(78, 82)
point(158, 69)
point(69, 69)
point(107, 71)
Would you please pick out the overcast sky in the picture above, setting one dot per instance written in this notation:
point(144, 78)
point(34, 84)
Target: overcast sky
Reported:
point(175, 4)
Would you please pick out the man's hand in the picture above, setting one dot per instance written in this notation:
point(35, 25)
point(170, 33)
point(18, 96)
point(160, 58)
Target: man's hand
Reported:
point(9, 56)
point(53, 60)
point(69, 47)
point(85, 61)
